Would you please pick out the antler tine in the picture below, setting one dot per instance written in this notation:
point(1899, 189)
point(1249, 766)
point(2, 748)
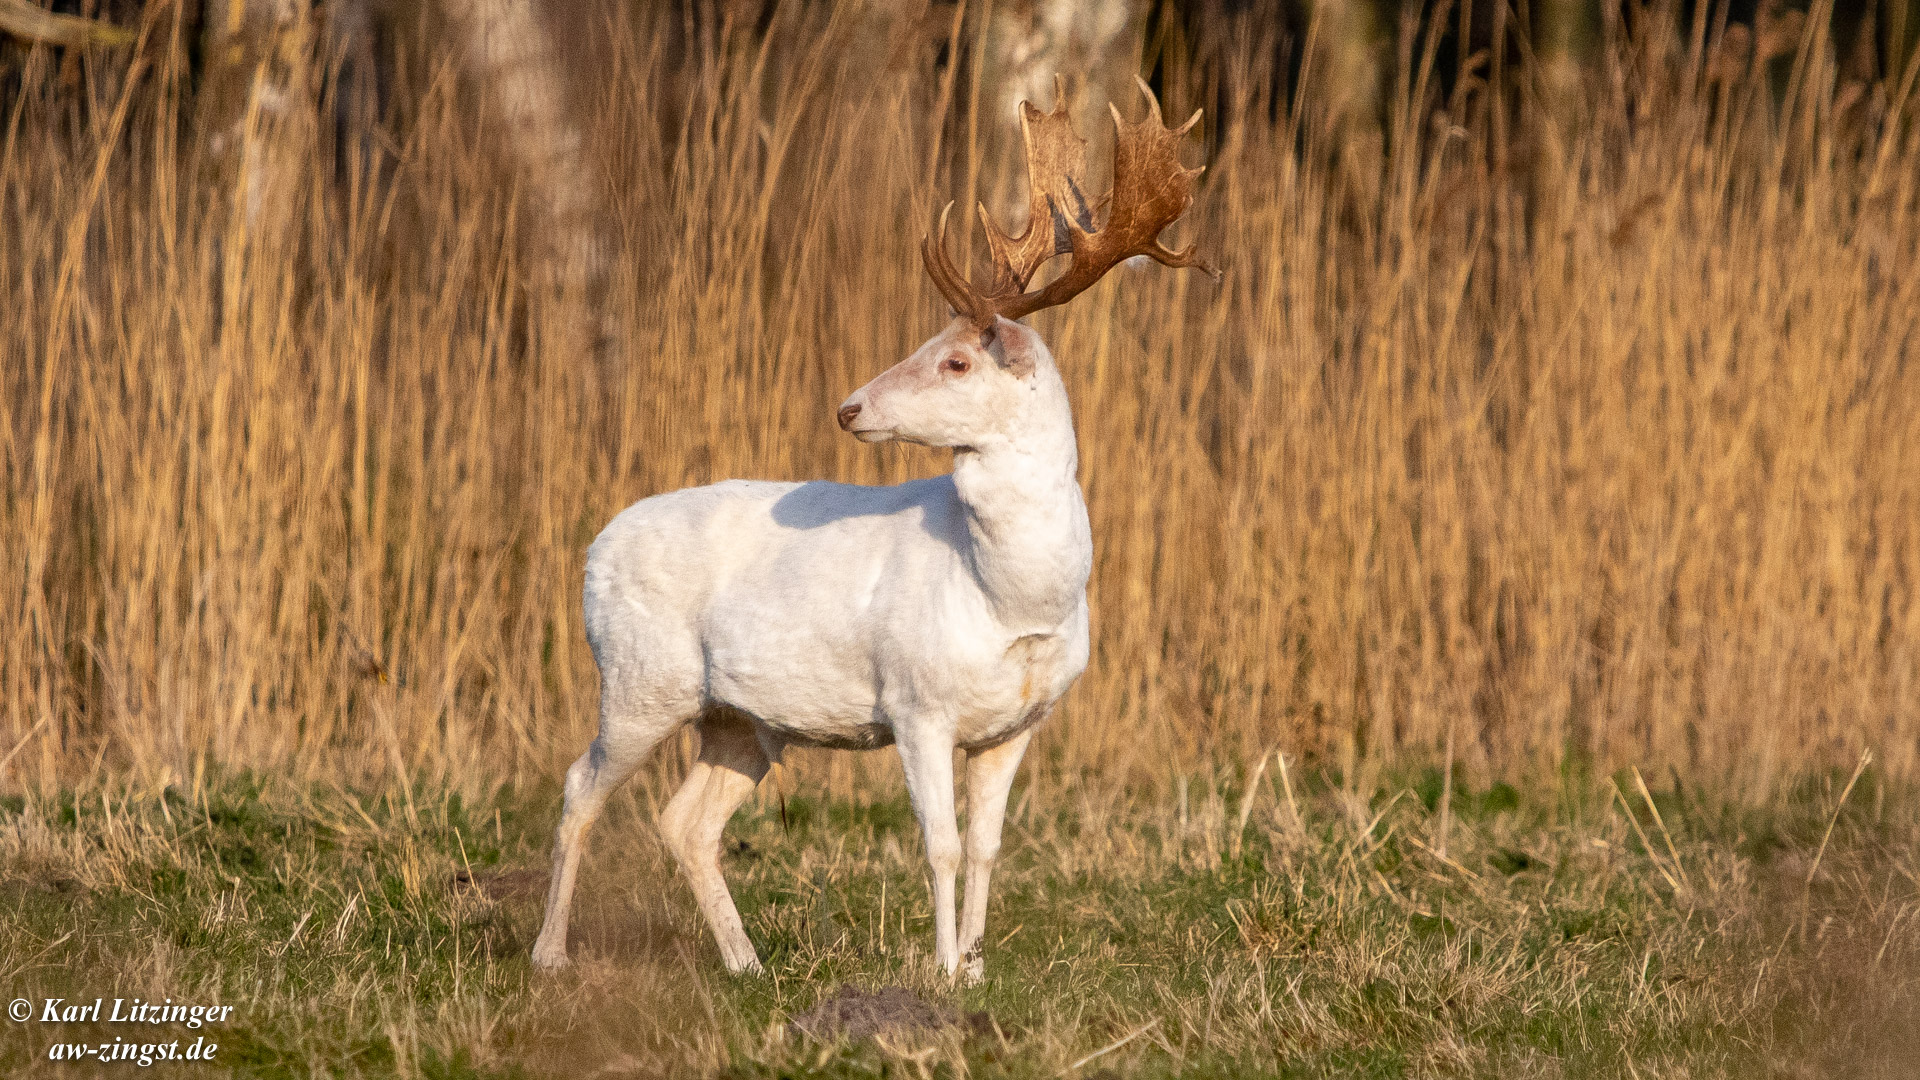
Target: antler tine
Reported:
point(947, 278)
point(1153, 104)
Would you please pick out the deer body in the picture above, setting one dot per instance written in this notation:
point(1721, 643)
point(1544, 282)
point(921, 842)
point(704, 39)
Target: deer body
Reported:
point(942, 614)
point(828, 611)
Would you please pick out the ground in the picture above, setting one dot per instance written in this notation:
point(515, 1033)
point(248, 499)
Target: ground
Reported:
point(1131, 935)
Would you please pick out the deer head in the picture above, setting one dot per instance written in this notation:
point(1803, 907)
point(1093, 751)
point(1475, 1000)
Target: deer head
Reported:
point(964, 387)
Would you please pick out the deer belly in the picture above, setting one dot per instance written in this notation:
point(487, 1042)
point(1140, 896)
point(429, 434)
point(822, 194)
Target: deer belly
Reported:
point(810, 701)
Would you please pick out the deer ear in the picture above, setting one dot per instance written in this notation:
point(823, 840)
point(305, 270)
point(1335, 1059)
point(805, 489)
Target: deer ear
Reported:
point(1010, 351)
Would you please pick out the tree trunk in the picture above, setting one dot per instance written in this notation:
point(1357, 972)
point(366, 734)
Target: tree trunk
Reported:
point(256, 101)
point(1565, 41)
point(1349, 61)
point(1093, 43)
point(512, 59)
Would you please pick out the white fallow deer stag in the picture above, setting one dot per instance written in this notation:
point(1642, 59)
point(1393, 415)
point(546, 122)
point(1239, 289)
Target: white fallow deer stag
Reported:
point(941, 613)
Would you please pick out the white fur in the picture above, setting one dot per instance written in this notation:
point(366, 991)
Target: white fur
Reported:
point(936, 614)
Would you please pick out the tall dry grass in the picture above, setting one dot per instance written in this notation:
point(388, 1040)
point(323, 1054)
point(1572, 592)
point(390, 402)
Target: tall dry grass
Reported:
point(1536, 442)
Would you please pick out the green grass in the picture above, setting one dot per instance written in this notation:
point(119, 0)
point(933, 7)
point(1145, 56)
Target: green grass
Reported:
point(357, 938)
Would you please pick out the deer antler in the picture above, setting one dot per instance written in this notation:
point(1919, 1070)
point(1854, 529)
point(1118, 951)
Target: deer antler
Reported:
point(1150, 190)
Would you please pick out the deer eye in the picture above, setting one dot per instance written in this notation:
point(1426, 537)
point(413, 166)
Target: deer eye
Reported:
point(956, 364)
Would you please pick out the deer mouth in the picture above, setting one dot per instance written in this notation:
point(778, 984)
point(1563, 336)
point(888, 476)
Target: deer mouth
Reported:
point(851, 416)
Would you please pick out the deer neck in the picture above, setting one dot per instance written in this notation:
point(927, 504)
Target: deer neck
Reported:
point(1031, 547)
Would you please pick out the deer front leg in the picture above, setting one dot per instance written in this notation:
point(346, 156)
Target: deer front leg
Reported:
point(990, 775)
point(926, 753)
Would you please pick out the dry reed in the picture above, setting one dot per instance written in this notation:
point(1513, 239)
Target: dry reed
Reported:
point(1585, 436)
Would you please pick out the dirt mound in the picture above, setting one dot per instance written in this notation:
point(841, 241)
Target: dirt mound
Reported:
point(862, 1014)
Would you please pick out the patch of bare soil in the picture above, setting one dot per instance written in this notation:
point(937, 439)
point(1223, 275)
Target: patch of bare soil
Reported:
point(502, 884)
point(862, 1014)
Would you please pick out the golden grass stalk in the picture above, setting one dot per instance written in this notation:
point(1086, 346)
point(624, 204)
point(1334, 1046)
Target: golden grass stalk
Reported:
point(1598, 442)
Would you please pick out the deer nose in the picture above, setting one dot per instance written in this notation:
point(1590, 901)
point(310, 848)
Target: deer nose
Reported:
point(847, 414)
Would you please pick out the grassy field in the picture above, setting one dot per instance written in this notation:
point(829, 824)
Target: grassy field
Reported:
point(1546, 436)
point(1330, 937)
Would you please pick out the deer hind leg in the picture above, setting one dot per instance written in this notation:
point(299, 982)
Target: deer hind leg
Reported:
point(990, 775)
point(731, 764)
point(633, 720)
